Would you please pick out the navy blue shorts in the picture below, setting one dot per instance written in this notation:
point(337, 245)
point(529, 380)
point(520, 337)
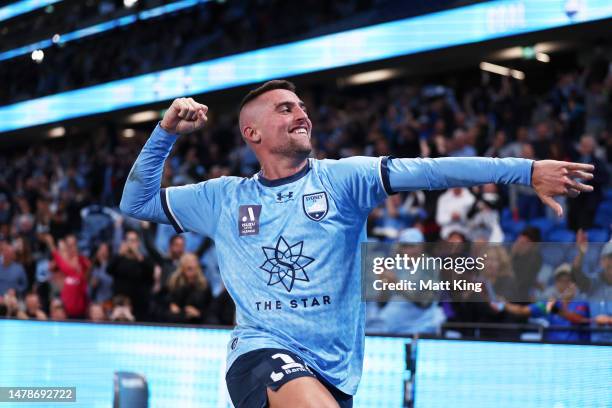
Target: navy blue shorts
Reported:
point(252, 373)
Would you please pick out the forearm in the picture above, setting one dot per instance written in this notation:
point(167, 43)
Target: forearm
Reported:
point(147, 235)
point(141, 194)
point(583, 281)
point(448, 172)
point(518, 310)
point(573, 317)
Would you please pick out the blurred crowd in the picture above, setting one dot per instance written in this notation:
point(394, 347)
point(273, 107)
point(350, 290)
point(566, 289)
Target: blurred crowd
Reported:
point(68, 253)
point(209, 30)
point(206, 31)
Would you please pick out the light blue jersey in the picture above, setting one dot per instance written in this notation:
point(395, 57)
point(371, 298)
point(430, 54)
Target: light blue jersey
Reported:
point(289, 249)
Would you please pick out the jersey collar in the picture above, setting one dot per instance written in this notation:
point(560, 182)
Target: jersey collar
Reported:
point(284, 180)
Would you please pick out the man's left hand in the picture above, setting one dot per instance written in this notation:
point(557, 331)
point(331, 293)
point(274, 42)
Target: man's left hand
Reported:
point(553, 178)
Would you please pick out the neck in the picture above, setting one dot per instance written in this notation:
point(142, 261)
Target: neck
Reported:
point(283, 167)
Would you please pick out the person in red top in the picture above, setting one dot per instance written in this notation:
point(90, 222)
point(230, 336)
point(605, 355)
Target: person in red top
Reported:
point(75, 270)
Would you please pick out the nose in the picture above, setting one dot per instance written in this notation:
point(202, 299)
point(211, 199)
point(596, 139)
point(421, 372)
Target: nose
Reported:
point(300, 113)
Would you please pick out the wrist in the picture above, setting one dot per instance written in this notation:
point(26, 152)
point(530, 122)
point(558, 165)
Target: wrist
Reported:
point(165, 127)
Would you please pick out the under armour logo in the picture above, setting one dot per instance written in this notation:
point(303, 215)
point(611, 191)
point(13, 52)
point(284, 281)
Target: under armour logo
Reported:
point(280, 197)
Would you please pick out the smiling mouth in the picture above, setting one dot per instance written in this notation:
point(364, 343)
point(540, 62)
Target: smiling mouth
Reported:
point(300, 131)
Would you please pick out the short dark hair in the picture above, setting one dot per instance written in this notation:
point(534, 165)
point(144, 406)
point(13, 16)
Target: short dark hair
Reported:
point(533, 233)
point(175, 237)
point(268, 86)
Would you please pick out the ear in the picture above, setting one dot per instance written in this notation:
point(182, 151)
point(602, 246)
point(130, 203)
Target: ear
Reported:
point(251, 135)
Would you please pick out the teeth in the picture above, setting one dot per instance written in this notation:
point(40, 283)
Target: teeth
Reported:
point(300, 130)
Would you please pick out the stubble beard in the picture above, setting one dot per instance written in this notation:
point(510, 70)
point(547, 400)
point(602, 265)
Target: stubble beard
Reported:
point(293, 149)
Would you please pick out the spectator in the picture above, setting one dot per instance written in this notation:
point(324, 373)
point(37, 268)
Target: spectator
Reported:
point(581, 209)
point(74, 269)
point(498, 275)
point(189, 294)
point(12, 274)
point(101, 283)
point(11, 305)
point(514, 149)
point(96, 313)
point(564, 311)
point(122, 309)
point(23, 256)
point(132, 275)
point(169, 262)
point(453, 206)
point(526, 262)
point(599, 289)
point(57, 310)
point(32, 307)
point(484, 217)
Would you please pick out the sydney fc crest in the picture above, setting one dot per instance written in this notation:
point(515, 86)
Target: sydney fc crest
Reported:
point(315, 205)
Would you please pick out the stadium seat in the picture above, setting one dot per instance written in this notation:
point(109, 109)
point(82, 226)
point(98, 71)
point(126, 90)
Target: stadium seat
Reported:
point(509, 236)
point(603, 215)
point(545, 225)
point(515, 227)
point(561, 235)
point(506, 216)
point(598, 235)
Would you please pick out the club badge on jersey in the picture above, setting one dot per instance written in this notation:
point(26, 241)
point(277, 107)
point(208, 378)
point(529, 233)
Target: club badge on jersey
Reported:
point(315, 205)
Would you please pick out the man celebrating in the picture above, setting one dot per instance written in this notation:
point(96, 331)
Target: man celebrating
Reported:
point(288, 239)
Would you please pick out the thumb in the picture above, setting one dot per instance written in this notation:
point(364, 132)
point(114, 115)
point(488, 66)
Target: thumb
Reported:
point(549, 201)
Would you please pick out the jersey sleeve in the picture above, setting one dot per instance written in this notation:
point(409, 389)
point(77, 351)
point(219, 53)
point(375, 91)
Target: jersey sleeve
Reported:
point(141, 198)
point(447, 172)
point(194, 207)
point(361, 182)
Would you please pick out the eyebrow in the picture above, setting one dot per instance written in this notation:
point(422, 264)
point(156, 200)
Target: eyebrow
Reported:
point(289, 104)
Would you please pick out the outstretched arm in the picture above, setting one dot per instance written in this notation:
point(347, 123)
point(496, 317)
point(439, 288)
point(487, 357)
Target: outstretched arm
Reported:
point(141, 195)
point(549, 178)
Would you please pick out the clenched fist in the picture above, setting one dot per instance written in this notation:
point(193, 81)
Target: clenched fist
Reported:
point(184, 116)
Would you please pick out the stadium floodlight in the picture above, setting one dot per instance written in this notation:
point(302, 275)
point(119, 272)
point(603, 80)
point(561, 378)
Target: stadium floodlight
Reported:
point(128, 133)
point(371, 76)
point(58, 131)
point(500, 70)
point(540, 56)
point(145, 116)
point(38, 56)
